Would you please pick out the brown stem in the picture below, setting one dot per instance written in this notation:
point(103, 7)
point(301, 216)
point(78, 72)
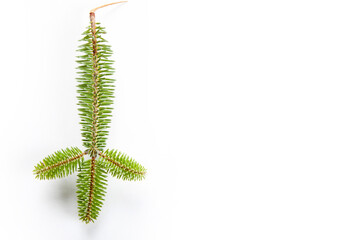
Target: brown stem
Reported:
point(91, 191)
point(95, 79)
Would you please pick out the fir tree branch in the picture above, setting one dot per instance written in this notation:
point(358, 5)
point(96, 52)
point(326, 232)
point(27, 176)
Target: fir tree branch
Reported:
point(96, 93)
point(122, 166)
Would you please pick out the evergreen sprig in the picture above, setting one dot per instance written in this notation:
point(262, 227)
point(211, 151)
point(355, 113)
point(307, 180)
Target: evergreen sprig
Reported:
point(96, 93)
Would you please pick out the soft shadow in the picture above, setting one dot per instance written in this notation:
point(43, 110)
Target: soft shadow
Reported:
point(63, 193)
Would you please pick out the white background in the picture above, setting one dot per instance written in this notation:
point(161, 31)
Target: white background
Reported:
point(245, 113)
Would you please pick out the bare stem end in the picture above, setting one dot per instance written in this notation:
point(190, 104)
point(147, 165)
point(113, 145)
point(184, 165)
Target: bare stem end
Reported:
point(93, 10)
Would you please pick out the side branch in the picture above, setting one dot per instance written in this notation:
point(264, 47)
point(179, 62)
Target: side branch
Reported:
point(127, 169)
point(60, 163)
point(121, 166)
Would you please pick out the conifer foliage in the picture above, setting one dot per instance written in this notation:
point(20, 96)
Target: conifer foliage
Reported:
point(96, 93)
